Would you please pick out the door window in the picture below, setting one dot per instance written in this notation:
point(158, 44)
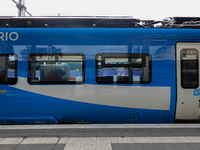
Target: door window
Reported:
point(189, 68)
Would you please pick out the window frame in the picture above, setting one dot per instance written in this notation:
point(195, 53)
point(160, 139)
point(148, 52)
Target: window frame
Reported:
point(124, 55)
point(57, 82)
point(197, 67)
point(16, 68)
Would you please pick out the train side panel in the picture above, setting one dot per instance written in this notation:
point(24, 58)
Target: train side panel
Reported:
point(91, 102)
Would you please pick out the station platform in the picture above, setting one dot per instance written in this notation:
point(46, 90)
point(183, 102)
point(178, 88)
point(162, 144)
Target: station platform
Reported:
point(100, 137)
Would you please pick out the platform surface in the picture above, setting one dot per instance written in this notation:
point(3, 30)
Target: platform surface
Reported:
point(100, 137)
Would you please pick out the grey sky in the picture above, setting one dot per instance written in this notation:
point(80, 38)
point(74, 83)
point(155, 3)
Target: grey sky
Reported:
point(142, 9)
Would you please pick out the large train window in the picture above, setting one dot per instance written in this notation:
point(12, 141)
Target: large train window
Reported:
point(8, 69)
point(189, 68)
point(56, 68)
point(123, 68)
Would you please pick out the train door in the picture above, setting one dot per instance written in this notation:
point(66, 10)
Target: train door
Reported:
point(188, 76)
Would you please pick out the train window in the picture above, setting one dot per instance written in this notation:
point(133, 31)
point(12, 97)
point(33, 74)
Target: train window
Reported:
point(8, 69)
point(56, 68)
point(189, 68)
point(123, 68)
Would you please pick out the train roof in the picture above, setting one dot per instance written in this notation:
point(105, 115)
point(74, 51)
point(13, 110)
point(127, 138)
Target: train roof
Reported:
point(97, 22)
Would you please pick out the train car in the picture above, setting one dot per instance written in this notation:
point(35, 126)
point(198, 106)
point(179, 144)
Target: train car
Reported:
point(99, 70)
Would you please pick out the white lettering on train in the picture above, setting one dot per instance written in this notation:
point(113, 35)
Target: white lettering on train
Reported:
point(5, 36)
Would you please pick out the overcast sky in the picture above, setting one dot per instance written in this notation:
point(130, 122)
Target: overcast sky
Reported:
point(141, 9)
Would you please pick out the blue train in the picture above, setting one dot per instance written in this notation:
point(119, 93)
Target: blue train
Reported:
point(99, 70)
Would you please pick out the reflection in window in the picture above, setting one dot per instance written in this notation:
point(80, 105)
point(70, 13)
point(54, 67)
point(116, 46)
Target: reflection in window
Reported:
point(123, 68)
point(189, 68)
point(123, 61)
point(56, 69)
point(8, 69)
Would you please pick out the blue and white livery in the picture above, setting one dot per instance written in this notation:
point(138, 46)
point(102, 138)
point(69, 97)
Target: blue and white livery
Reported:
point(99, 74)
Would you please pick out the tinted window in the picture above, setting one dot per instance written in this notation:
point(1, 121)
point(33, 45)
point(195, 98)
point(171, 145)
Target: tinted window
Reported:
point(189, 68)
point(56, 69)
point(8, 68)
point(123, 68)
